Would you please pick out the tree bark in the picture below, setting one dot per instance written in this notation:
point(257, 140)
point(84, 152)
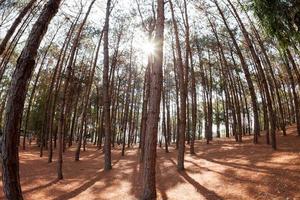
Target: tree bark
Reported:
point(106, 93)
point(293, 85)
point(149, 190)
point(294, 91)
point(183, 91)
point(16, 99)
point(15, 24)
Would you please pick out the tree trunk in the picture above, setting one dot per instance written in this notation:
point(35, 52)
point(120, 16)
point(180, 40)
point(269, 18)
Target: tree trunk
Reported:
point(164, 128)
point(11, 48)
point(247, 76)
point(106, 93)
point(14, 25)
point(272, 116)
point(294, 92)
point(149, 189)
point(293, 85)
point(183, 91)
point(16, 99)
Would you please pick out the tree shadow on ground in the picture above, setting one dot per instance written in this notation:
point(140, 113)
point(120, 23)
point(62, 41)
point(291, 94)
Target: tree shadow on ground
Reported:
point(208, 194)
point(41, 186)
point(82, 188)
point(253, 170)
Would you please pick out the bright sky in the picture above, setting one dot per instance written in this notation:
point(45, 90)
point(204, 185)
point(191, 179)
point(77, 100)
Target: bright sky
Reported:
point(133, 30)
point(124, 8)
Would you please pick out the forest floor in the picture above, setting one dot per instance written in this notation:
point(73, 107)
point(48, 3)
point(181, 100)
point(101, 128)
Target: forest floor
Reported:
point(221, 170)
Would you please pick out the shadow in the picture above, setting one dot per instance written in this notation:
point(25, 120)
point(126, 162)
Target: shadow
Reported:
point(234, 171)
point(162, 189)
point(136, 179)
point(80, 189)
point(228, 173)
point(42, 186)
point(208, 194)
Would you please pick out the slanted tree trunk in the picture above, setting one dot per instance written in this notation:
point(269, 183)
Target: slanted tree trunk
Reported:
point(34, 88)
point(65, 97)
point(14, 25)
point(247, 76)
point(49, 102)
point(293, 86)
point(29, 106)
point(272, 116)
point(50, 127)
point(16, 99)
point(11, 47)
point(269, 65)
point(89, 86)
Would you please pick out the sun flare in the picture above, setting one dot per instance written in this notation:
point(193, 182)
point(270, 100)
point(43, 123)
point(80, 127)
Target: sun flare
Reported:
point(148, 48)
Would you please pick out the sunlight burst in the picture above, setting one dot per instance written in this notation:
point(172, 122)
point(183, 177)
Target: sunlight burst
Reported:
point(148, 48)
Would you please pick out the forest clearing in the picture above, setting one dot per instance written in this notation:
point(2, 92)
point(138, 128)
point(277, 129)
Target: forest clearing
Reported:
point(150, 99)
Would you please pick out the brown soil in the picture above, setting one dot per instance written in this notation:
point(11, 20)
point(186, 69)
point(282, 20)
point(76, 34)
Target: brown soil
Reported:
point(221, 170)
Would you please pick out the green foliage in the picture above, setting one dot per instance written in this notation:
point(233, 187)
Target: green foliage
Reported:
point(280, 19)
point(38, 106)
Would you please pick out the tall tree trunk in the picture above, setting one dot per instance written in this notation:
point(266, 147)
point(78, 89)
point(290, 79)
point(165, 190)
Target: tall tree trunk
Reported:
point(269, 65)
point(89, 87)
point(183, 91)
point(189, 57)
point(164, 128)
point(65, 97)
point(71, 138)
point(16, 99)
point(169, 128)
point(247, 76)
point(49, 102)
point(149, 189)
point(176, 130)
point(125, 119)
point(34, 88)
point(272, 116)
point(146, 93)
point(293, 86)
point(29, 105)
point(106, 93)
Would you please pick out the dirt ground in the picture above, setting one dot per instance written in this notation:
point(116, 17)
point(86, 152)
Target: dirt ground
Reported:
point(221, 170)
